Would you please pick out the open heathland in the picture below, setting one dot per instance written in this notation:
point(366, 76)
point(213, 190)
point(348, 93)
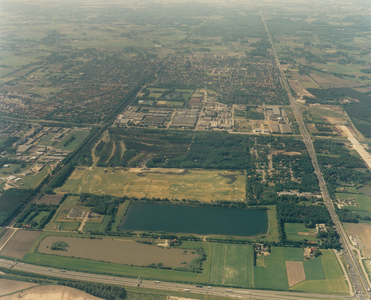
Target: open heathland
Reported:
point(232, 265)
point(20, 243)
point(50, 199)
point(203, 185)
point(119, 251)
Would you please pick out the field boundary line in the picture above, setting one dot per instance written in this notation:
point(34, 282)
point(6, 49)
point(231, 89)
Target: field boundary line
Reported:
point(211, 263)
point(344, 271)
point(15, 230)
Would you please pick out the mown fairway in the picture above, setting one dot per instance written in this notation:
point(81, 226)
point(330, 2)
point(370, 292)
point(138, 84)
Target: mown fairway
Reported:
point(232, 265)
point(203, 185)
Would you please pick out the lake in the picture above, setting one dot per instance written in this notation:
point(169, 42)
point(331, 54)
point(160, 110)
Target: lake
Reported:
point(203, 220)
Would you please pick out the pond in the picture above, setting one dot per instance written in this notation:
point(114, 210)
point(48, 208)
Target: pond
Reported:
point(203, 220)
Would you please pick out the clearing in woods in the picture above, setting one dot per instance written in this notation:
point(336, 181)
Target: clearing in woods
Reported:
point(232, 265)
point(203, 185)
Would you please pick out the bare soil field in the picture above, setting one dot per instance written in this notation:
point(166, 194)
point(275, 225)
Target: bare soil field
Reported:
point(50, 199)
point(363, 230)
point(295, 272)
point(204, 185)
point(119, 251)
point(5, 237)
point(11, 286)
point(20, 243)
point(51, 292)
point(327, 81)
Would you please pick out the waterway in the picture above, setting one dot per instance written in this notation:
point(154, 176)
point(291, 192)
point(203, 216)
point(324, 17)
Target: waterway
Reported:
point(202, 220)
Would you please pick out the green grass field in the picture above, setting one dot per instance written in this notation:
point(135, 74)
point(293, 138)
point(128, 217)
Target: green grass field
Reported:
point(334, 282)
point(292, 230)
point(33, 180)
point(273, 275)
point(364, 202)
point(46, 140)
point(96, 227)
point(203, 185)
point(232, 265)
point(120, 213)
point(313, 269)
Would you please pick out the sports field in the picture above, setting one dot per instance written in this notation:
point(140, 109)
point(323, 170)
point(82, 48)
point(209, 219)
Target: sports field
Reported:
point(197, 184)
point(232, 265)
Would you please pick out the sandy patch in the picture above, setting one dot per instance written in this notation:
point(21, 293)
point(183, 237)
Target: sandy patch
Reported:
point(307, 233)
point(356, 145)
point(11, 286)
point(295, 272)
point(51, 292)
point(292, 153)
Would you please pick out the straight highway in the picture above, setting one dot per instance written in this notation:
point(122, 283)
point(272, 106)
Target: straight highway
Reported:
point(165, 286)
point(357, 277)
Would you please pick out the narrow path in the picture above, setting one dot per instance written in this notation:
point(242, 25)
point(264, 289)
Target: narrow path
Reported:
point(83, 222)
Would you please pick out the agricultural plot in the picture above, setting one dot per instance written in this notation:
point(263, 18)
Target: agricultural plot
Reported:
point(298, 232)
point(119, 251)
point(50, 199)
point(232, 265)
point(334, 282)
point(20, 243)
point(10, 286)
point(364, 233)
point(203, 185)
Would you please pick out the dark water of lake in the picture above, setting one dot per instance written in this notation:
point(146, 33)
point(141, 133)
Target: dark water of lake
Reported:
point(205, 220)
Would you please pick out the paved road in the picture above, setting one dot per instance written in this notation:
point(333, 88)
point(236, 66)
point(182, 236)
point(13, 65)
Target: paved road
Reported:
point(228, 292)
point(356, 275)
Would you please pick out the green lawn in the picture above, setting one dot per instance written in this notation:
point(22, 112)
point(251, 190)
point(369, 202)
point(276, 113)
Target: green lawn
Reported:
point(364, 202)
point(232, 265)
point(273, 275)
point(120, 213)
point(313, 269)
point(292, 230)
point(97, 227)
point(33, 180)
point(46, 140)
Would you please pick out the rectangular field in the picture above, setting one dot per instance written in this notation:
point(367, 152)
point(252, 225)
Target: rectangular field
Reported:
point(79, 138)
point(334, 282)
point(232, 265)
point(298, 232)
point(20, 243)
point(364, 232)
point(197, 184)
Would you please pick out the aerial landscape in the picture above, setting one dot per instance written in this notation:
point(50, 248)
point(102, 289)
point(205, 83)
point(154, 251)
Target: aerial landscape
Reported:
point(185, 149)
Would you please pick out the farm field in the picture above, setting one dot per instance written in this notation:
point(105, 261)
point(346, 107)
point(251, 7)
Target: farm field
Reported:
point(73, 263)
point(334, 282)
point(364, 233)
point(364, 202)
point(203, 185)
point(232, 265)
point(298, 232)
point(119, 251)
point(5, 236)
point(10, 286)
point(20, 243)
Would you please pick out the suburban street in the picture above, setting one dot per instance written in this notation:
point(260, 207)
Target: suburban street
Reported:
point(357, 277)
